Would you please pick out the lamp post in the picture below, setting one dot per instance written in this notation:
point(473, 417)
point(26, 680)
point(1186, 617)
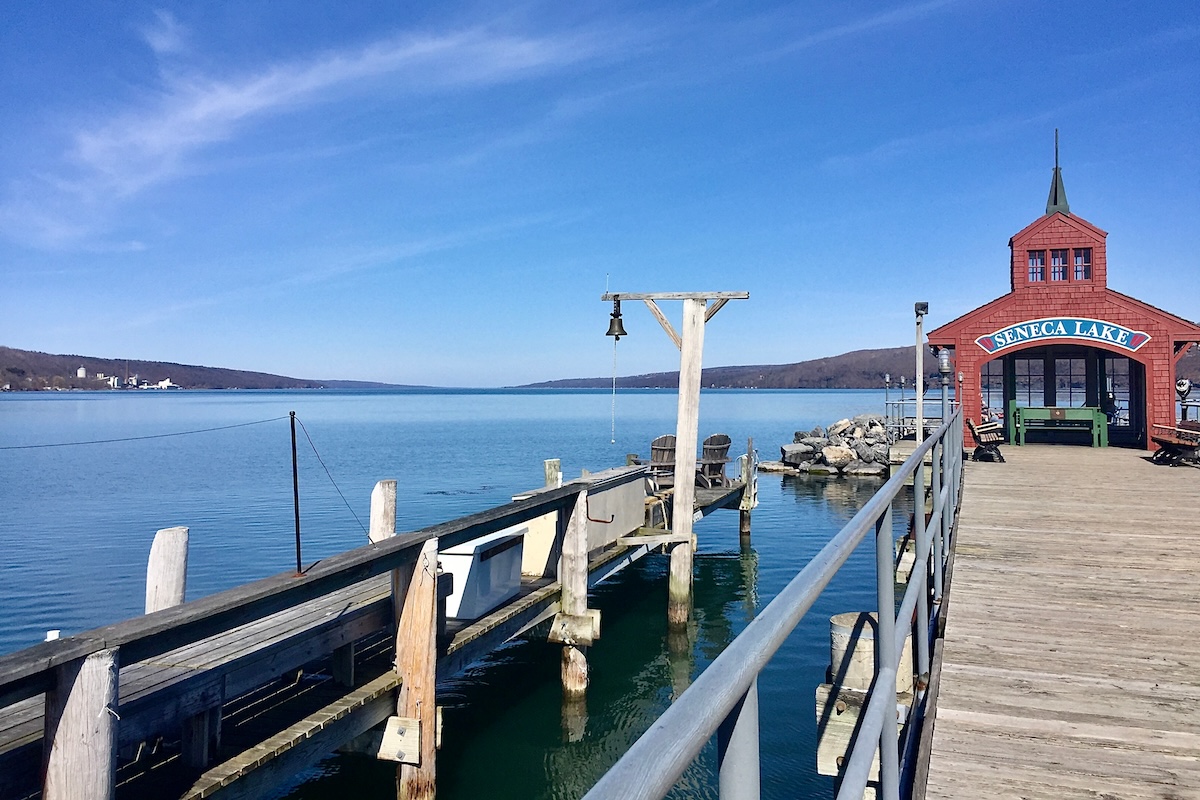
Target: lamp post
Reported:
point(944, 370)
point(921, 309)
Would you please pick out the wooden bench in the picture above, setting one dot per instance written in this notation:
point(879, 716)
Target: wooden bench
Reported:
point(1063, 418)
point(988, 436)
point(1177, 444)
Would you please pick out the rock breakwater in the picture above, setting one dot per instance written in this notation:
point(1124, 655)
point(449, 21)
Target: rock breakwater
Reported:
point(857, 446)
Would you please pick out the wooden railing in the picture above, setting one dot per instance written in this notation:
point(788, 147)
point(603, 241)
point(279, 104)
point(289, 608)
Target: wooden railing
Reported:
point(79, 674)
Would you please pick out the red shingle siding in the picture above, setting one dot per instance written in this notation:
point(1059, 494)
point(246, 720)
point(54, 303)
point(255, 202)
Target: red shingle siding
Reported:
point(1069, 298)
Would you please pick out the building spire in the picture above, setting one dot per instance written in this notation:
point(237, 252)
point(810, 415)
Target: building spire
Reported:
point(1058, 193)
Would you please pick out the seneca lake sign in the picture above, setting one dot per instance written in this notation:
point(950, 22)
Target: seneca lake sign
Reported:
point(1090, 330)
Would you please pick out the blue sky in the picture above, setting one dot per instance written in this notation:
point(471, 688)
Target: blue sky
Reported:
point(438, 193)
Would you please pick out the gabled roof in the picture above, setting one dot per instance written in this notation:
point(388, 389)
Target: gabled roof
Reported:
point(1181, 329)
point(1079, 223)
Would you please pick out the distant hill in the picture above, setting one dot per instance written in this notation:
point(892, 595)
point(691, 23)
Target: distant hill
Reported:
point(30, 370)
point(859, 369)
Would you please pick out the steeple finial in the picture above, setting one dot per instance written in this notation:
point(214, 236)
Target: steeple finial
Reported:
point(1058, 193)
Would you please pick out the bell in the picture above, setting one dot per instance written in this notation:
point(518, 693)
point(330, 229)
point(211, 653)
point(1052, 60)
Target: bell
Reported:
point(616, 328)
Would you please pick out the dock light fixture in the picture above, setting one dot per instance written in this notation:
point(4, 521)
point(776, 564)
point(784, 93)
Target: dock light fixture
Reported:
point(616, 328)
point(921, 308)
point(944, 368)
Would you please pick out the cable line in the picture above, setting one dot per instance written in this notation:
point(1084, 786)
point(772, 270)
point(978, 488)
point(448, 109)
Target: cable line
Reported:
point(327, 472)
point(139, 438)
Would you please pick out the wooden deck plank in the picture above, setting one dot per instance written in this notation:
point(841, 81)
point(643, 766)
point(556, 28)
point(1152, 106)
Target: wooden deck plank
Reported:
point(1071, 662)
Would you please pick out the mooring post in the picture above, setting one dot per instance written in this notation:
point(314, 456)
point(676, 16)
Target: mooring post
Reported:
point(166, 587)
point(679, 585)
point(166, 571)
point(383, 511)
point(553, 470)
point(79, 747)
point(573, 627)
point(748, 494)
point(416, 664)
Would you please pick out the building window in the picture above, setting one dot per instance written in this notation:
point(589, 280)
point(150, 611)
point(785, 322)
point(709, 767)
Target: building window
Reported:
point(991, 390)
point(1058, 265)
point(1070, 382)
point(1030, 381)
point(1115, 400)
point(1083, 263)
point(1037, 265)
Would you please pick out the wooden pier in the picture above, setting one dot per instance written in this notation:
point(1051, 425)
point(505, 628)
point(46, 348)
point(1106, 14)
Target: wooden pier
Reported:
point(228, 695)
point(1070, 666)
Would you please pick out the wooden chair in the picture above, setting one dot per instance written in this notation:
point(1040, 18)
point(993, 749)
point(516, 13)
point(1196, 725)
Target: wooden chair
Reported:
point(711, 470)
point(662, 460)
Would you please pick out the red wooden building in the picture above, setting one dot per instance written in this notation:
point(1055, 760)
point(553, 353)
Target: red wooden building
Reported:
point(1061, 337)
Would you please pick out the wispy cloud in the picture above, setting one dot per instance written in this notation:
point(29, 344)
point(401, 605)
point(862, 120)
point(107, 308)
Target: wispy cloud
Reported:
point(114, 159)
point(941, 139)
point(886, 19)
point(165, 35)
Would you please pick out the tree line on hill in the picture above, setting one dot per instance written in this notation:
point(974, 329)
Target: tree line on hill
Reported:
point(859, 369)
point(24, 370)
point(27, 370)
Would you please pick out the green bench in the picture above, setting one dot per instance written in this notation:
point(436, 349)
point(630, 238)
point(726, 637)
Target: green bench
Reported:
point(1068, 418)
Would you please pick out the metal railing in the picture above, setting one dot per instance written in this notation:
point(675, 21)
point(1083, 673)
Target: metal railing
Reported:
point(900, 415)
point(723, 701)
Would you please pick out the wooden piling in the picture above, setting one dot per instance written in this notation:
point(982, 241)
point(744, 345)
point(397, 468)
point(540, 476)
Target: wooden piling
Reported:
point(80, 743)
point(573, 626)
point(166, 571)
point(553, 470)
point(679, 585)
point(749, 494)
point(688, 419)
point(416, 664)
point(383, 511)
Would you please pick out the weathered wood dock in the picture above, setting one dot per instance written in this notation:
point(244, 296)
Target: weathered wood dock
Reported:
point(228, 695)
point(1070, 666)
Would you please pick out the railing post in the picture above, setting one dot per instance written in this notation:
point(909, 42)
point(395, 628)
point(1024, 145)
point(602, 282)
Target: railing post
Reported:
point(415, 592)
point(938, 469)
point(80, 738)
point(885, 651)
point(920, 571)
point(737, 749)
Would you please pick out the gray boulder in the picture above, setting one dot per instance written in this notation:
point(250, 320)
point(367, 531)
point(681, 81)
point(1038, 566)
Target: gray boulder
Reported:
point(883, 453)
point(836, 456)
point(862, 450)
point(795, 453)
point(841, 426)
point(815, 442)
point(863, 468)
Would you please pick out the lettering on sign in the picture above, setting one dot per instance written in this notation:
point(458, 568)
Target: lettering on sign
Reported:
point(1091, 330)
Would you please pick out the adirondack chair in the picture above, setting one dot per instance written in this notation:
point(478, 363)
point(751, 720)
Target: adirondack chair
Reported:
point(711, 470)
point(662, 460)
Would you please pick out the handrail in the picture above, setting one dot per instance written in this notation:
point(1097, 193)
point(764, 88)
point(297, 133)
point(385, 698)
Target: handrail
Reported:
point(713, 703)
point(29, 672)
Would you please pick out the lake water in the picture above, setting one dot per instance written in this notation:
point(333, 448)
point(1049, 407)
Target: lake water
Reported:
point(77, 522)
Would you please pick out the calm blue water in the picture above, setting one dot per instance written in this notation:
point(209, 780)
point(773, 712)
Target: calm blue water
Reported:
point(77, 523)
